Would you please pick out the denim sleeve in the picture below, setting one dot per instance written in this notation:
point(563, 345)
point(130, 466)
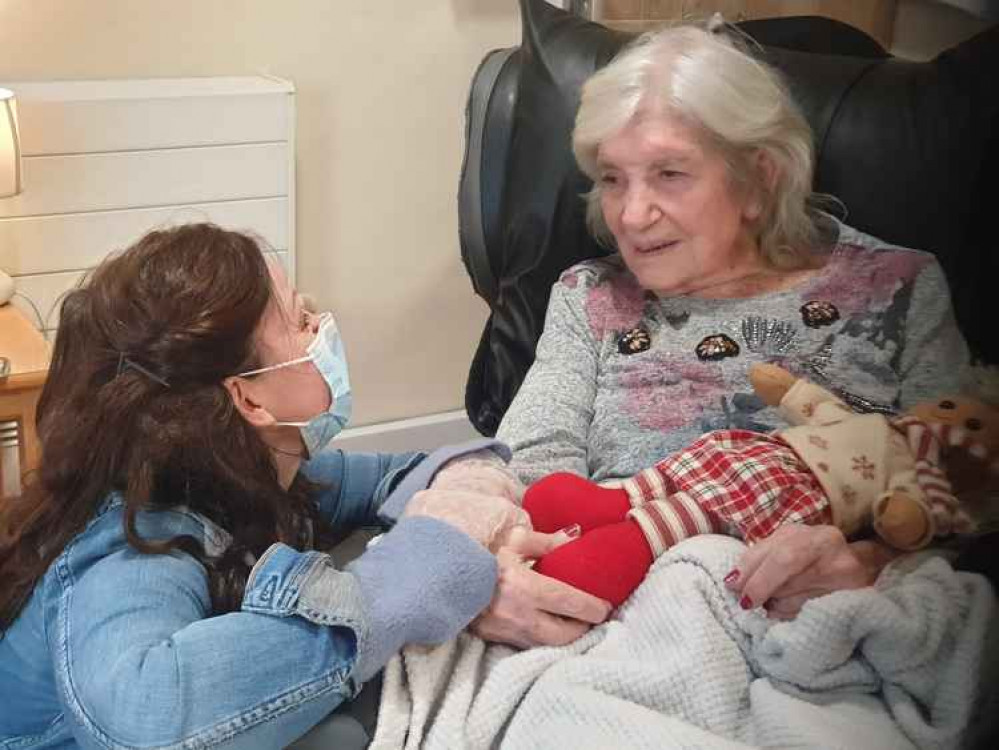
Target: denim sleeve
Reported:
point(353, 486)
point(421, 476)
point(422, 583)
point(140, 662)
point(364, 489)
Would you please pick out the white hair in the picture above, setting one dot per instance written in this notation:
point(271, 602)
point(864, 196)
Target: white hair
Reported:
point(736, 104)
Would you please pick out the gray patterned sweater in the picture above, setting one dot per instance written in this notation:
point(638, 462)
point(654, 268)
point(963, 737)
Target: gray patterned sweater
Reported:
point(623, 377)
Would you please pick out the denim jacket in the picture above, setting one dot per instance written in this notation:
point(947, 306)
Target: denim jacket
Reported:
point(117, 649)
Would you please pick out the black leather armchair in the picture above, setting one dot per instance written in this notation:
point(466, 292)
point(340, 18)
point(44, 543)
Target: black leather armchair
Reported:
point(910, 148)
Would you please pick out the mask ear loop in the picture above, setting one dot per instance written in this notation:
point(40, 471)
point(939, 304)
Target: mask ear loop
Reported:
point(326, 319)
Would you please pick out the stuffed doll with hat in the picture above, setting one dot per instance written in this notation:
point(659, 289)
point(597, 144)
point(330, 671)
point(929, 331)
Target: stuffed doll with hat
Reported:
point(831, 465)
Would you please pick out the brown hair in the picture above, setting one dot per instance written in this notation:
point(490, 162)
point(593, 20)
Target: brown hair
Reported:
point(134, 402)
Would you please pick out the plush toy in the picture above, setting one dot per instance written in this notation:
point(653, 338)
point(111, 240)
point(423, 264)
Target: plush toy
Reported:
point(831, 466)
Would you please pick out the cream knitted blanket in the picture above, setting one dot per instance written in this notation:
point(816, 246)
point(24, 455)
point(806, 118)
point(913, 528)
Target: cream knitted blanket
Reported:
point(898, 665)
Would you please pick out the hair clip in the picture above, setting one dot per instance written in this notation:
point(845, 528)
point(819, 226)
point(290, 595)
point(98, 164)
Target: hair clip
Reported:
point(124, 362)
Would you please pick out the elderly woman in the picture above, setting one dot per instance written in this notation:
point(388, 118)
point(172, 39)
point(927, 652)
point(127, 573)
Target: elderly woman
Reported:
point(702, 171)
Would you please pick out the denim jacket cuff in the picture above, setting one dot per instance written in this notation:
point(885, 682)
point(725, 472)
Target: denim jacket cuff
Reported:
point(423, 473)
point(277, 578)
point(286, 582)
point(422, 583)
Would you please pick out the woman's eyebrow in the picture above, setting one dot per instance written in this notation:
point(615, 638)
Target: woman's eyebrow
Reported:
point(672, 160)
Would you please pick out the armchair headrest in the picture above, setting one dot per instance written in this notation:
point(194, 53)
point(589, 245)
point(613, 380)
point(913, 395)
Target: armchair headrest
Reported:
point(906, 146)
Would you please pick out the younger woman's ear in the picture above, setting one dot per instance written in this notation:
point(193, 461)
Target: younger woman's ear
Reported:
point(243, 395)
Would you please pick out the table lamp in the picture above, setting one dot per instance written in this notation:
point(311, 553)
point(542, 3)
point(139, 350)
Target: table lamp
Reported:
point(10, 169)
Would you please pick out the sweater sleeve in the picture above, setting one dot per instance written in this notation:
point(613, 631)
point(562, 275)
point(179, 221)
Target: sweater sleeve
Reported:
point(362, 489)
point(352, 487)
point(548, 423)
point(935, 356)
point(422, 475)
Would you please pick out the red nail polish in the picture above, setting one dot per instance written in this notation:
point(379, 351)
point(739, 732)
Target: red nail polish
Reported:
point(746, 603)
point(732, 577)
point(574, 531)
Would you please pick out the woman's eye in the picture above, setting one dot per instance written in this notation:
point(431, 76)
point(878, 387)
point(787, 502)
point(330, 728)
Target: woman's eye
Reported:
point(608, 179)
point(668, 174)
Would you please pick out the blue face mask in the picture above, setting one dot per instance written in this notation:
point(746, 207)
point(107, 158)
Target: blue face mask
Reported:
point(326, 353)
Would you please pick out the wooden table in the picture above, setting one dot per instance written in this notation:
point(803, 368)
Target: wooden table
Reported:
point(27, 354)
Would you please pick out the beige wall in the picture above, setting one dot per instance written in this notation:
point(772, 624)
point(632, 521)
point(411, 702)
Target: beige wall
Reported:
point(381, 91)
point(923, 29)
point(914, 29)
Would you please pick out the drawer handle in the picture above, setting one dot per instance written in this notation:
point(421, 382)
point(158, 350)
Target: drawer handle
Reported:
point(9, 434)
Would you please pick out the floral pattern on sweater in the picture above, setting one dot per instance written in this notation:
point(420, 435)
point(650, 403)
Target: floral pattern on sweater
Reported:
point(874, 325)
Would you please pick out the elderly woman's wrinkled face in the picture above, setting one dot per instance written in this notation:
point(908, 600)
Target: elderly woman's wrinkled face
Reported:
point(680, 226)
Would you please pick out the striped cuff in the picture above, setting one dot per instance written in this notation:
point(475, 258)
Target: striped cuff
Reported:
point(645, 487)
point(667, 522)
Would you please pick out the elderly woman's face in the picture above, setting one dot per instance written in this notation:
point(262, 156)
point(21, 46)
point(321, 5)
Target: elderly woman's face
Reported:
point(679, 225)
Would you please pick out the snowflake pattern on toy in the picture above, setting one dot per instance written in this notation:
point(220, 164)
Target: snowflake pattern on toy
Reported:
point(819, 442)
point(862, 465)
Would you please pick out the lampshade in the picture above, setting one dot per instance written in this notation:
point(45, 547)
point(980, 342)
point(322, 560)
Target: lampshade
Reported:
point(10, 149)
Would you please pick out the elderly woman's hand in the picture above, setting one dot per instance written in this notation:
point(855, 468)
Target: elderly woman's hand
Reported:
point(529, 609)
point(798, 563)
